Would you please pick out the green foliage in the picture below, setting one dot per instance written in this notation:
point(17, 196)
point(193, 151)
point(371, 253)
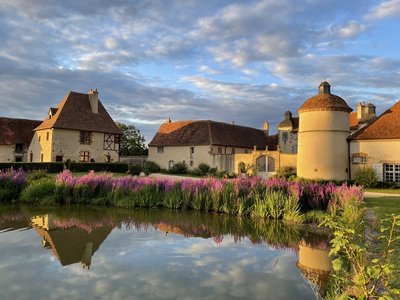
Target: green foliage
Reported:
point(287, 172)
point(204, 168)
point(134, 170)
point(315, 216)
point(54, 167)
point(179, 168)
point(361, 271)
point(151, 167)
point(132, 141)
point(37, 174)
point(39, 192)
point(196, 172)
point(98, 167)
point(366, 177)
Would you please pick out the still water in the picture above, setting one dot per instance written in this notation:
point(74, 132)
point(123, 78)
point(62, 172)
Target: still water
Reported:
point(107, 253)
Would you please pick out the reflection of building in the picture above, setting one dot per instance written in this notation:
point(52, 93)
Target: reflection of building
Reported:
point(69, 245)
point(315, 263)
point(187, 231)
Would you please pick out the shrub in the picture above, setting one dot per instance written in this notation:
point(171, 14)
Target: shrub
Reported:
point(39, 192)
point(98, 167)
point(134, 170)
point(37, 175)
point(53, 167)
point(287, 172)
point(11, 184)
point(366, 177)
point(204, 168)
point(151, 167)
point(196, 172)
point(179, 168)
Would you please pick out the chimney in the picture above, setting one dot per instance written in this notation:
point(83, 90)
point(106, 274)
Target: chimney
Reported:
point(365, 111)
point(266, 128)
point(168, 120)
point(324, 88)
point(94, 101)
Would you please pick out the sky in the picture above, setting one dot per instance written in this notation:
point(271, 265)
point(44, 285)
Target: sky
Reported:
point(241, 61)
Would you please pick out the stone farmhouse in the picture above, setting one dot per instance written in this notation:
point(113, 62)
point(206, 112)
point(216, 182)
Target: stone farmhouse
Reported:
point(78, 129)
point(326, 141)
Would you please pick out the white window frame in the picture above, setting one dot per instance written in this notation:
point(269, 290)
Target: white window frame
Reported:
point(391, 172)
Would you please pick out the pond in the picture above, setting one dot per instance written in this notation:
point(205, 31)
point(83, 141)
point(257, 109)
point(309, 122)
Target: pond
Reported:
point(107, 253)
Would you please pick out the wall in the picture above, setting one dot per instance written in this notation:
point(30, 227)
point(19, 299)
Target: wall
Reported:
point(322, 148)
point(43, 146)
point(289, 145)
point(377, 152)
point(66, 143)
point(7, 153)
point(180, 154)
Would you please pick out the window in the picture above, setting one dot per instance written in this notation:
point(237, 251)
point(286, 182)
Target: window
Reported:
point(84, 156)
point(39, 138)
point(59, 158)
point(31, 157)
point(108, 158)
point(160, 149)
point(359, 159)
point(117, 139)
point(191, 152)
point(19, 148)
point(219, 150)
point(233, 151)
point(47, 136)
point(391, 172)
point(41, 157)
point(86, 137)
point(191, 163)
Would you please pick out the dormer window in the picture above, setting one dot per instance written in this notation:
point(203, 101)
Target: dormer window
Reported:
point(86, 137)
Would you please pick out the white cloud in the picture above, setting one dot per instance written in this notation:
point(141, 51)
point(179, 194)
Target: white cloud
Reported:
point(386, 9)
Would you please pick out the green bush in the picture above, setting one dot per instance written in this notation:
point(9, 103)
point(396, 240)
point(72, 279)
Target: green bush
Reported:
point(196, 172)
point(98, 167)
point(151, 167)
point(134, 170)
point(53, 167)
point(37, 175)
point(179, 168)
point(366, 177)
point(39, 192)
point(287, 172)
point(204, 168)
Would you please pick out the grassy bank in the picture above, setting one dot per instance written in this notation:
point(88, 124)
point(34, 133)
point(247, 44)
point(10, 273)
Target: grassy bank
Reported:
point(274, 198)
point(386, 191)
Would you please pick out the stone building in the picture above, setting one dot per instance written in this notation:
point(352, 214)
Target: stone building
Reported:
point(78, 129)
point(204, 141)
point(15, 137)
point(377, 145)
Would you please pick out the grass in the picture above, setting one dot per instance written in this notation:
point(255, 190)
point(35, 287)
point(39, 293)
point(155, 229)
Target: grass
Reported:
point(388, 191)
point(384, 205)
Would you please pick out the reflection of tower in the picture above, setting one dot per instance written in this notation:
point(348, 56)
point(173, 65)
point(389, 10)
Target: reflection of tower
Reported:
point(315, 263)
point(185, 230)
point(69, 245)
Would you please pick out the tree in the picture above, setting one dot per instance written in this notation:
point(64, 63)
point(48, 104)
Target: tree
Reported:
point(132, 141)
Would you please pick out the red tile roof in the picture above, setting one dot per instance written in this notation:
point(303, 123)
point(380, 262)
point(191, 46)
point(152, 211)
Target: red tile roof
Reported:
point(353, 121)
point(206, 132)
point(386, 126)
point(325, 102)
point(273, 141)
point(74, 112)
point(16, 131)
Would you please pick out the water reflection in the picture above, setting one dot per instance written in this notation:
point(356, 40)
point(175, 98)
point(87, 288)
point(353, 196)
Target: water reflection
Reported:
point(74, 235)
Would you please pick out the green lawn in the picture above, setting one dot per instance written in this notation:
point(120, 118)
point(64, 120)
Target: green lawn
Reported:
point(384, 205)
point(388, 191)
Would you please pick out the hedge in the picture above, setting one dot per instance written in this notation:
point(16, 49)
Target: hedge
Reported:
point(98, 167)
point(53, 167)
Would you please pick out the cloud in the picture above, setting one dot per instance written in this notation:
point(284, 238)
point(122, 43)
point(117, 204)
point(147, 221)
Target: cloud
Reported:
point(386, 9)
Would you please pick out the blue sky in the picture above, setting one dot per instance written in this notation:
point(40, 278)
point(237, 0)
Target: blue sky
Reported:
point(242, 61)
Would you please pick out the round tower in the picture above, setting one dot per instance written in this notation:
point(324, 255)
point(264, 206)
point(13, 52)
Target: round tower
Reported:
point(322, 139)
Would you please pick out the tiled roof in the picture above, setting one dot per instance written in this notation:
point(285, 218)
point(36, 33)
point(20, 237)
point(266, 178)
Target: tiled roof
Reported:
point(386, 126)
point(325, 102)
point(16, 131)
point(273, 141)
point(206, 132)
point(74, 112)
point(353, 121)
point(293, 122)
